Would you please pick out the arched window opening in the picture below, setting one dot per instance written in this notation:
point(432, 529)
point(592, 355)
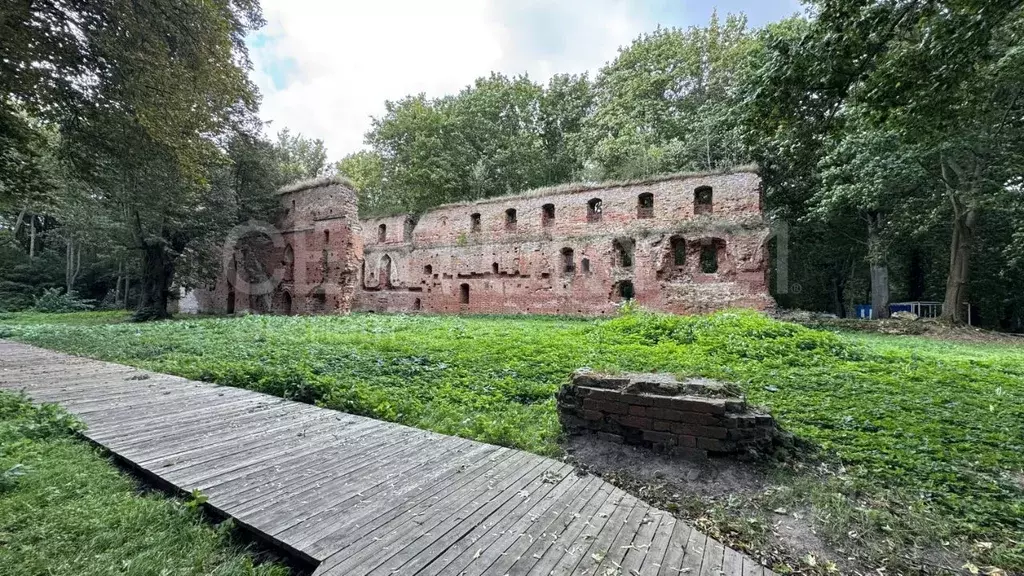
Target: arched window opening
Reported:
point(623, 252)
point(678, 250)
point(568, 261)
point(287, 298)
point(416, 305)
point(382, 233)
point(703, 200)
point(709, 258)
point(594, 210)
point(645, 205)
point(407, 228)
point(585, 265)
point(510, 219)
point(547, 215)
point(624, 290)
point(494, 268)
point(288, 263)
point(474, 222)
point(464, 293)
point(384, 272)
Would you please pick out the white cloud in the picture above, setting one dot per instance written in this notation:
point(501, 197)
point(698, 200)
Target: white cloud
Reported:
point(325, 66)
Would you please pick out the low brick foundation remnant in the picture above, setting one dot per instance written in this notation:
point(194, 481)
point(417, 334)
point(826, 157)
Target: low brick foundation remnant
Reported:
point(692, 418)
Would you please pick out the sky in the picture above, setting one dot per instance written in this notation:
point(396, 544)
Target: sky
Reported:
point(325, 67)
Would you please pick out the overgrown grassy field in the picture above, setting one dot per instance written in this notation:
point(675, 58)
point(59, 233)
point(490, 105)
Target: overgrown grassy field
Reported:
point(923, 441)
point(65, 510)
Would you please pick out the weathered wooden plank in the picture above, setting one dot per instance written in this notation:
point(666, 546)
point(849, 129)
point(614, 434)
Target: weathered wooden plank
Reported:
point(636, 552)
point(342, 474)
point(752, 567)
point(592, 527)
point(363, 551)
point(714, 554)
point(530, 560)
point(536, 527)
point(694, 554)
point(489, 530)
point(325, 531)
point(440, 536)
point(366, 497)
point(732, 563)
point(623, 541)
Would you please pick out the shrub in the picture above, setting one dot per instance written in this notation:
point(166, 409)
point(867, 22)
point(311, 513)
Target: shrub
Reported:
point(52, 300)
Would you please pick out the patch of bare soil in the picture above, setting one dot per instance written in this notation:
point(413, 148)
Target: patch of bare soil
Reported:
point(718, 496)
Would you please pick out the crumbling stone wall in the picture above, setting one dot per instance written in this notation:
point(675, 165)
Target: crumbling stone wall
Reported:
point(313, 265)
point(693, 418)
point(681, 244)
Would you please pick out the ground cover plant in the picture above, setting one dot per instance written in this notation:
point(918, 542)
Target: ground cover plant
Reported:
point(66, 510)
point(921, 442)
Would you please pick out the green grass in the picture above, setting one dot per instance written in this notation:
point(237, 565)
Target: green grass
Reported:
point(66, 510)
point(69, 318)
point(916, 431)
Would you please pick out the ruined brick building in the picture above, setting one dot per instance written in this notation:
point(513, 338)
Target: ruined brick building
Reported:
point(681, 243)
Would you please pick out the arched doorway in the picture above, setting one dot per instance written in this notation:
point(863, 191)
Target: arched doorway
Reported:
point(384, 272)
point(287, 304)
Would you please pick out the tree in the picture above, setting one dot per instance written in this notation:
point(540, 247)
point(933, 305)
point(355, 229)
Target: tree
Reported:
point(663, 104)
point(365, 170)
point(301, 158)
point(170, 81)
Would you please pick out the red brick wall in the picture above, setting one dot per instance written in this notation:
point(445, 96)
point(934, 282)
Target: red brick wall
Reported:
point(315, 264)
point(520, 268)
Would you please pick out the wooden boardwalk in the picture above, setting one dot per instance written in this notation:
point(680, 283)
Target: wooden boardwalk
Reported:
point(355, 496)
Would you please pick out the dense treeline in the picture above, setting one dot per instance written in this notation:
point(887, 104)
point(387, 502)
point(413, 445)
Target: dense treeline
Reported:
point(129, 144)
point(889, 137)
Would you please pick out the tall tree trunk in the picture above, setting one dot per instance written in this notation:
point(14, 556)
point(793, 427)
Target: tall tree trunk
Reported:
point(879, 267)
point(157, 274)
point(965, 222)
point(32, 237)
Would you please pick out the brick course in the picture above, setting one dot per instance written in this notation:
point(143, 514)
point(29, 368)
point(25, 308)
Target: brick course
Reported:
point(468, 258)
point(698, 420)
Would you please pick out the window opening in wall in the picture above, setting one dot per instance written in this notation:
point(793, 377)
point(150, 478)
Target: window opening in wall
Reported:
point(287, 304)
point(547, 214)
point(585, 265)
point(428, 269)
point(568, 262)
point(510, 218)
point(703, 199)
point(416, 304)
point(494, 268)
point(624, 290)
point(327, 236)
point(464, 293)
point(709, 258)
point(594, 210)
point(382, 233)
point(623, 252)
point(678, 251)
point(645, 205)
point(289, 264)
point(474, 222)
point(384, 272)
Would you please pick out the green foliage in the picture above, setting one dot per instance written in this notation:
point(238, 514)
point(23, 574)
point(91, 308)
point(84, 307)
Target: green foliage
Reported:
point(664, 104)
point(66, 510)
point(55, 300)
point(936, 427)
